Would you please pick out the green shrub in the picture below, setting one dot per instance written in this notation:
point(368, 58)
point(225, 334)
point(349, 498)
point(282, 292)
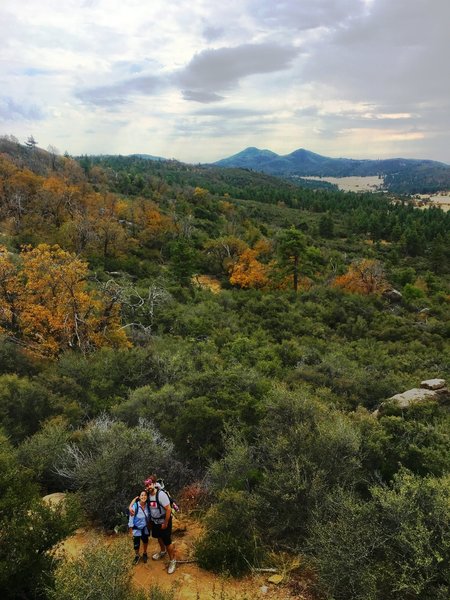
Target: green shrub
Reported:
point(41, 452)
point(230, 544)
point(24, 404)
point(101, 572)
point(29, 530)
point(341, 538)
point(108, 461)
point(395, 546)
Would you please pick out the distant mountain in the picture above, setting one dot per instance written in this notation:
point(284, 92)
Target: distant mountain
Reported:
point(248, 158)
point(401, 174)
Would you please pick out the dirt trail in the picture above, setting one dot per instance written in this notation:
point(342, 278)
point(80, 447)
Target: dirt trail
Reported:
point(189, 581)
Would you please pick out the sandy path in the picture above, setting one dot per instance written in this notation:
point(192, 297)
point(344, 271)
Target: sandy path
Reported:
point(189, 581)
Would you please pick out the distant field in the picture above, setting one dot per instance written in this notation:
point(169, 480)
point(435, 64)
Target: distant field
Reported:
point(375, 183)
point(353, 184)
point(442, 200)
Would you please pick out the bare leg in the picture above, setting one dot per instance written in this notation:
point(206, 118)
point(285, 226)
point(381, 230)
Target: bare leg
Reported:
point(171, 551)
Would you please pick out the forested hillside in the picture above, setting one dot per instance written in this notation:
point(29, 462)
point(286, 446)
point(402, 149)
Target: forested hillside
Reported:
point(225, 329)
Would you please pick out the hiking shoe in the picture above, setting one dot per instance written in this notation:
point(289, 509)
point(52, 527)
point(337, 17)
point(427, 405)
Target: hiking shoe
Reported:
point(159, 555)
point(144, 557)
point(172, 566)
point(136, 559)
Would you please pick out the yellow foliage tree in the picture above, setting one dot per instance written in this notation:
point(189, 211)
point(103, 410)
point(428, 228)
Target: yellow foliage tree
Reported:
point(200, 193)
point(45, 303)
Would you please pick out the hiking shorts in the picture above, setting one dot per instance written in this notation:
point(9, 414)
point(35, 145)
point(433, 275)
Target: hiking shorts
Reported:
point(137, 540)
point(164, 534)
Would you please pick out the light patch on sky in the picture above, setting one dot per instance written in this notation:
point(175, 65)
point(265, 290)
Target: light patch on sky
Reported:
point(198, 81)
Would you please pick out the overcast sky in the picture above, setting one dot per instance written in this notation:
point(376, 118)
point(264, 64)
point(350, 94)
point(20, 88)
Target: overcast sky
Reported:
point(199, 80)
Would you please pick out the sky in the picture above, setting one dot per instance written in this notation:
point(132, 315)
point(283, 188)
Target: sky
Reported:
point(199, 80)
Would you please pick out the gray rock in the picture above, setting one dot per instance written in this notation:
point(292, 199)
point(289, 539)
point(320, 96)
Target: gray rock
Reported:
point(415, 395)
point(431, 389)
point(433, 384)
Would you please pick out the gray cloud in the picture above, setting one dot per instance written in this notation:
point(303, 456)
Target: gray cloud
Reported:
point(307, 111)
point(229, 112)
point(212, 33)
point(10, 110)
point(221, 69)
point(117, 93)
point(207, 72)
point(203, 129)
point(377, 60)
point(201, 96)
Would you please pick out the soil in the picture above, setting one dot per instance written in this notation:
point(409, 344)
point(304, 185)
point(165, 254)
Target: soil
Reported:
point(189, 581)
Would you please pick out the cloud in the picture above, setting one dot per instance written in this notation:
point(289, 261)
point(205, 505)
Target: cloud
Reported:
point(391, 54)
point(118, 93)
point(221, 69)
point(294, 14)
point(207, 72)
point(10, 110)
point(212, 33)
point(201, 96)
point(198, 128)
point(229, 112)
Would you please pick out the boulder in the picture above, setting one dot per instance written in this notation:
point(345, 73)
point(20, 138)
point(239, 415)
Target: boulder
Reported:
point(393, 295)
point(430, 389)
point(433, 384)
point(404, 399)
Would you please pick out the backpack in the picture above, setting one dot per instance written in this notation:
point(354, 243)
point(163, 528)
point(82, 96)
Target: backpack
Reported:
point(173, 505)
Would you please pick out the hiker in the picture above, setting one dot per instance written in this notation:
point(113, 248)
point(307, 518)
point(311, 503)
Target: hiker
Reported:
point(161, 521)
point(140, 525)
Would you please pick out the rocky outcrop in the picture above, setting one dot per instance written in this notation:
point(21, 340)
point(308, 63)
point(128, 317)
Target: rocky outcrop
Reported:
point(433, 384)
point(393, 295)
point(430, 389)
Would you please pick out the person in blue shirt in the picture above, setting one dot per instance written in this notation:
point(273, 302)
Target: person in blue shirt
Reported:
point(139, 524)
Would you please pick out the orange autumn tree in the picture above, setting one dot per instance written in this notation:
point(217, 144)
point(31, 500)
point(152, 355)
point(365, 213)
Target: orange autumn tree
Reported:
point(10, 293)
point(364, 276)
point(248, 271)
point(46, 305)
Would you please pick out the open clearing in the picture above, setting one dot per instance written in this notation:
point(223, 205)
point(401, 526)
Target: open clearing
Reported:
point(370, 183)
point(375, 184)
point(189, 582)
